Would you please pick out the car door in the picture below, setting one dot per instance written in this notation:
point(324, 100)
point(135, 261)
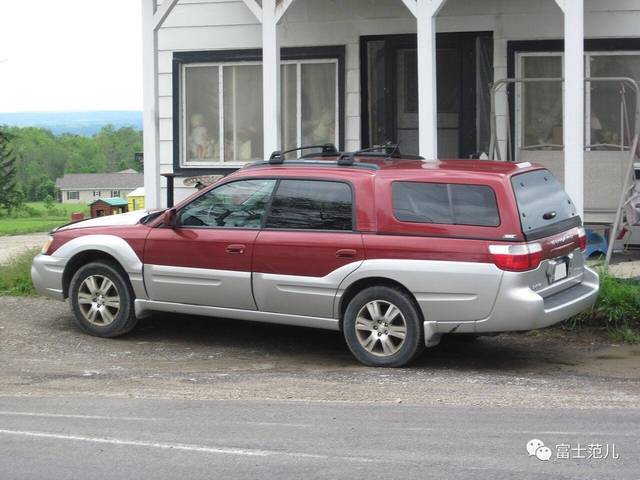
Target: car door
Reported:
point(205, 259)
point(307, 247)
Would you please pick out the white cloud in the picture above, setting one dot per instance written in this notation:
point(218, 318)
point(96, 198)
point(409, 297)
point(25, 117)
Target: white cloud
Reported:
point(70, 55)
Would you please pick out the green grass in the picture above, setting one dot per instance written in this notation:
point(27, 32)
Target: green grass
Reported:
point(36, 217)
point(617, 310)
point(625, 335)
point(15, 278)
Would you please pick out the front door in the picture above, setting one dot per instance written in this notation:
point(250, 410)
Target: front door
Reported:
point(206, 258)
point(307, 248)
point(390, 92)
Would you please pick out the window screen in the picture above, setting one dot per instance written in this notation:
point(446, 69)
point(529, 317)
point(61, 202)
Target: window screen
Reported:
point(311, 205)
point(446, 203)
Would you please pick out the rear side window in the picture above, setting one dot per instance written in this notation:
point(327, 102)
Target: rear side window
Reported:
point(447, 203)
point(542, 202)
point(311, 205)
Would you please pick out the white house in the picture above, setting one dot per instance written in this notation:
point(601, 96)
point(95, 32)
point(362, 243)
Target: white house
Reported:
point(88, 187)
point(228, 81)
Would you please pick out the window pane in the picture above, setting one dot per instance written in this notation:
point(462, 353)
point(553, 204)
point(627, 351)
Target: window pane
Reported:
point(474, 205)
point(537, 193)
point(542, 115)
point(318, 103)
point(311, 205)
point(453, 204)
point(608, 99)
point(234, 205)
point(421, 202)
point(242, 113)
point(202, 115)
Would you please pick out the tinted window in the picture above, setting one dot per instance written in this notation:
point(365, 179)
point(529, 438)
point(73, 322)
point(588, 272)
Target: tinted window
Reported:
point(311, 205)
point(542, 202)
point(233, 205)
point(447, 203)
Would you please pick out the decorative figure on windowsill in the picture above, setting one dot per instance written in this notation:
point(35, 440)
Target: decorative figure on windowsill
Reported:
point(199, 137)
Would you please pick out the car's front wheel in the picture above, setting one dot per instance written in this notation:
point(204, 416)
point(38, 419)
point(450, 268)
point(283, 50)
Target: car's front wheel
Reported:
point(102, 300)
point(383, 327)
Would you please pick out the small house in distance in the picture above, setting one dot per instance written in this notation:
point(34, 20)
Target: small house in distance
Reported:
point(87, 187)
point(136, 199)
point(108, 206)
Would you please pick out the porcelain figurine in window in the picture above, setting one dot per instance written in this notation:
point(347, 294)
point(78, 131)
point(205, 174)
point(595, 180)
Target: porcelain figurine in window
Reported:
point(199, 144)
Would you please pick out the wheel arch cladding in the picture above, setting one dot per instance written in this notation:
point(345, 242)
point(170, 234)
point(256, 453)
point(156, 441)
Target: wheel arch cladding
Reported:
point(359, 285)
point(83, 258)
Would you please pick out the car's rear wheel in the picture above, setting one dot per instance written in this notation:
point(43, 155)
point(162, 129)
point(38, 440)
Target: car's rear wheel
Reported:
point(102, 300)
point(383, 327)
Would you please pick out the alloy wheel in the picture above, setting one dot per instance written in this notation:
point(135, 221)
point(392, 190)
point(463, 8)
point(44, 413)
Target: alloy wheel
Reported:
point(381, 328)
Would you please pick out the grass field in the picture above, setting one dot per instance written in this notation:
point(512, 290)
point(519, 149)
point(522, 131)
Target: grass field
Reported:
point(35, 217)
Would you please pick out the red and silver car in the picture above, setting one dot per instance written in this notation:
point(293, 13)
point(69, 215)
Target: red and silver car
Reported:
point(390, 250)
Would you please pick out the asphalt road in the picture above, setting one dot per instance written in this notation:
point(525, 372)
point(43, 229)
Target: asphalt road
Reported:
point(106, 438)
point(189, 397)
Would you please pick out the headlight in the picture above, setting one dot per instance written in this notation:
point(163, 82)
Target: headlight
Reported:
point(47, 245)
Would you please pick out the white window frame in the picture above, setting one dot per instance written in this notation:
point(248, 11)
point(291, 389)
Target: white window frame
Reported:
point(185, 163)
point(519, 107)
point(73, 195)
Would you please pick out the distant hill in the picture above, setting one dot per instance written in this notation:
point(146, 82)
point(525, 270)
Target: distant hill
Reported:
point(77, 123)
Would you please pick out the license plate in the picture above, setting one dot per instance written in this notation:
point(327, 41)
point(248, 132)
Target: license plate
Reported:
point(560, 271)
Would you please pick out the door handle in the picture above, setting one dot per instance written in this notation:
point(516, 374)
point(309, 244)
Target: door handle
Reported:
point(346, 253)
point(235, 249)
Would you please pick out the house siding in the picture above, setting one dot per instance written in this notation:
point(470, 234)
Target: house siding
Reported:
point(86, 196)
point(228, 24)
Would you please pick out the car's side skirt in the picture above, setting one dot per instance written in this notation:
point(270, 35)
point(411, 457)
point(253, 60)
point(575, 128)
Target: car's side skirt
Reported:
point(144, 307)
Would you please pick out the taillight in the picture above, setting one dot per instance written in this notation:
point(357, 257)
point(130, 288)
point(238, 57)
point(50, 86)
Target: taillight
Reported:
point(517, 257)
point(582, 238)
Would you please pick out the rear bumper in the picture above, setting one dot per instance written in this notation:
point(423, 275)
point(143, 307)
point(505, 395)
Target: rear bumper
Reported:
point(519, 308)
point(46, 274)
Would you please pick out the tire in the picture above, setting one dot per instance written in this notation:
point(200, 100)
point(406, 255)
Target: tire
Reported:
point(374, 333)
point(102, 300)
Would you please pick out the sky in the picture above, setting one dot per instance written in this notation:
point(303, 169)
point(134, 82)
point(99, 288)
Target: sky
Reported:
point(70, 55)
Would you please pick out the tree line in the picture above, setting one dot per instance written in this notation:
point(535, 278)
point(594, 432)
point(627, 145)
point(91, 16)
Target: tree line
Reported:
point(31, 159)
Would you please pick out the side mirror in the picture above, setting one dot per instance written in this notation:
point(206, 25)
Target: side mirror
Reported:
point(169, 218)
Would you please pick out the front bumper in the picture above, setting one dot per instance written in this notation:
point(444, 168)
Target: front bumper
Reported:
point(46, 274)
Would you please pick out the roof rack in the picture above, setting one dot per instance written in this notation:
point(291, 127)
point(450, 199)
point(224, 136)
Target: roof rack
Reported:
point(277, 157)
point(388, 150)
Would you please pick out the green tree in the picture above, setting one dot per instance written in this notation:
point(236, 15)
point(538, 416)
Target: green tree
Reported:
point(11, 195)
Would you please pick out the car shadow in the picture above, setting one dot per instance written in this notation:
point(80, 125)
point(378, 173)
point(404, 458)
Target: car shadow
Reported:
point(308, 346)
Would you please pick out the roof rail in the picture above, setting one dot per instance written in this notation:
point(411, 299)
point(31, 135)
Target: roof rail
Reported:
point(277, 157)
point(388, 150)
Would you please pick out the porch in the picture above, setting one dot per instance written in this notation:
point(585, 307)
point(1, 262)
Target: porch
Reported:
point(414, 72)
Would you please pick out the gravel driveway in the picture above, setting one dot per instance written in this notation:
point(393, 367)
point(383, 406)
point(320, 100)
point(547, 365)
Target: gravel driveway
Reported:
point(10, 246)
point(171, 356)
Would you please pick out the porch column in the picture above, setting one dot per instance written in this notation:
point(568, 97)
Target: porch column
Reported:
point(270, 78)
point(150, 101)
point(153, 18)
point(573, 112)
point(425, 12)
